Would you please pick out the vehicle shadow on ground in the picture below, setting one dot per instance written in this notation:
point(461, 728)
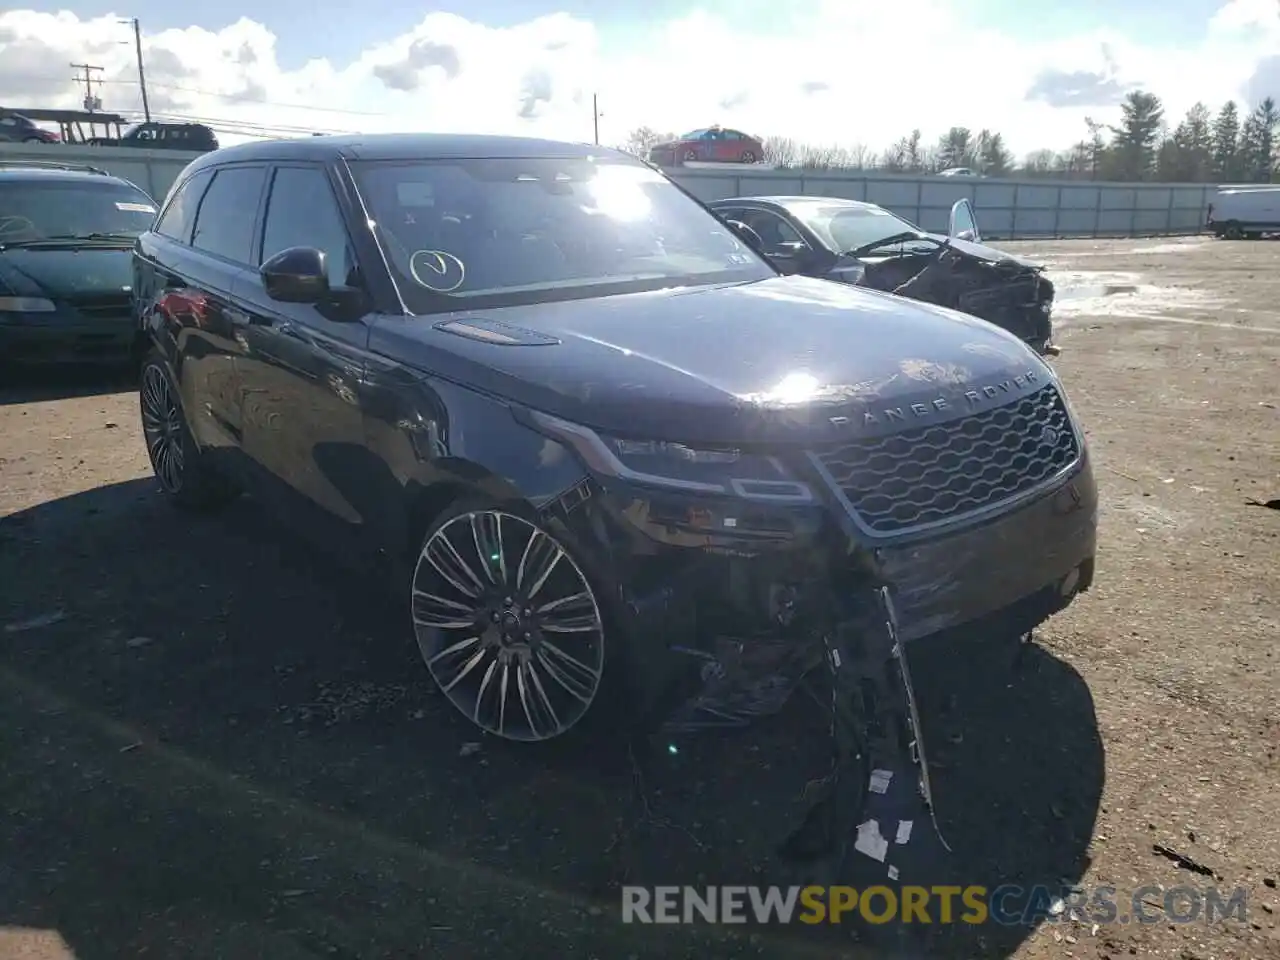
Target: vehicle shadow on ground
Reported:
point(217, 743)
point(61, 383)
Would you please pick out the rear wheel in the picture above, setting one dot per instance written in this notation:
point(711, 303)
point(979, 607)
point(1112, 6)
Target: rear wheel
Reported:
point(748, 156)
point(508, 622)
point(179, 465)
point(1233, 231)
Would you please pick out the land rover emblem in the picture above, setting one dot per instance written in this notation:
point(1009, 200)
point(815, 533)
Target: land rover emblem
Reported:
point(1049, 437)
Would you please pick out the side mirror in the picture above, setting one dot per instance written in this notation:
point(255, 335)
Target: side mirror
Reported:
point(296, 275)
point(965, 235)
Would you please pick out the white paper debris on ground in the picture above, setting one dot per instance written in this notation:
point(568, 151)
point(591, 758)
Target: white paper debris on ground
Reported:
point(871, 842)
point(904, 831)
point(880, 780)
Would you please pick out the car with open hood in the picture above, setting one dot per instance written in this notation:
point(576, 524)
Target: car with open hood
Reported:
point(862, 243)
point(606, 454)
point(66, 267)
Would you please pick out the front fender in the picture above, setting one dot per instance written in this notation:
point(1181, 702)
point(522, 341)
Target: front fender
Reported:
point(434, 435)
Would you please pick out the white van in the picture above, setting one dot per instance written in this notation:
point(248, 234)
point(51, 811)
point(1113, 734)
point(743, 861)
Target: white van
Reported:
point(1245, 212)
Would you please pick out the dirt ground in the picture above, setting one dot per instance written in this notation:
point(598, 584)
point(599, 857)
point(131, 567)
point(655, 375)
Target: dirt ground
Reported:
point(215, 743)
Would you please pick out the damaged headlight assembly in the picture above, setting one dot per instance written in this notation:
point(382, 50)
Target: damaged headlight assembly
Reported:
point(878, 782)
point(676, 466)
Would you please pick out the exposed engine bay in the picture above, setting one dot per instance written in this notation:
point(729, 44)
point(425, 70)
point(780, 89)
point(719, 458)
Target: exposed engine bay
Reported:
point(1011, 295)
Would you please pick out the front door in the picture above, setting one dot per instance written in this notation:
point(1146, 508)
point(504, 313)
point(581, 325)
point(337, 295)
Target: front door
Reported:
point(302, 372)
point(964, 225)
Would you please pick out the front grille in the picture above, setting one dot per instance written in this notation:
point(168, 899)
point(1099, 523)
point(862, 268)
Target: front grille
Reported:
point(944, 472)
point(1022, 292)
point(112, 307)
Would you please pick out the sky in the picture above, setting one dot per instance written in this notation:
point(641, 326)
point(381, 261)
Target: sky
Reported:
point(831, 72)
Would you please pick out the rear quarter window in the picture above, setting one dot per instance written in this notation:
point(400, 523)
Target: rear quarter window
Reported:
point(180, 215)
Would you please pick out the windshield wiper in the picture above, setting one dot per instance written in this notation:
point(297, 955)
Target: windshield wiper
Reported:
point(888, 241)
point(96, 237)
point(69, 240)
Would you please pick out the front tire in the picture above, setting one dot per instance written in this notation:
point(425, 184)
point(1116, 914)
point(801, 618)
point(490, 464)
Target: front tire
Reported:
point(508, 623)
point(179, 466)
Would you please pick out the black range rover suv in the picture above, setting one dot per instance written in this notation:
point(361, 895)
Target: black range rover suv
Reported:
point(594, 436)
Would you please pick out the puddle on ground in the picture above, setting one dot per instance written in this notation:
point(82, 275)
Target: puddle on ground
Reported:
point(1085, 293)
point(1174, 247)
point(1091, 291)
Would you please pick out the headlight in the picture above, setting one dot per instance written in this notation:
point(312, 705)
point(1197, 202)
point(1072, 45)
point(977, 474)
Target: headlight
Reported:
point(676, 466)
point(26, 305)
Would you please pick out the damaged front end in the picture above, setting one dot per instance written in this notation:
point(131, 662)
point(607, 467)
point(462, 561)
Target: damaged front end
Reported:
point(731, 601)
point(1007, 292)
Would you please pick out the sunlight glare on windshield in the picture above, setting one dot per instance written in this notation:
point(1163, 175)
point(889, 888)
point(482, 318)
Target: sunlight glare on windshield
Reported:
point(618, 194)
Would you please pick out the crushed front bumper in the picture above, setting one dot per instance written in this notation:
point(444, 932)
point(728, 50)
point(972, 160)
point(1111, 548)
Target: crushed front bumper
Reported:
point(691, 567)
point(727, 606)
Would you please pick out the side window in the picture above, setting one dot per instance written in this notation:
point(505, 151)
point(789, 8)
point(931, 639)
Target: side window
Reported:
point(773, 230)
point(178, 218)
point(302, 212)
point(224, 224)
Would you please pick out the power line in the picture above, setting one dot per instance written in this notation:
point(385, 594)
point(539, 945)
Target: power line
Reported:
point(242, 124)
point(233, 97)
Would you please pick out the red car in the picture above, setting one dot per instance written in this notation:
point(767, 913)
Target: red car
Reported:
point(714, 144)
point(15, 128)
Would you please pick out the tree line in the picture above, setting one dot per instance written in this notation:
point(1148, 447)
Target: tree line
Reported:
point(1230, 146)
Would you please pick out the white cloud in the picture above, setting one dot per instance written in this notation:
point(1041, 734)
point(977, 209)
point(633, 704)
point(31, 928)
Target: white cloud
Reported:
point(837, 72)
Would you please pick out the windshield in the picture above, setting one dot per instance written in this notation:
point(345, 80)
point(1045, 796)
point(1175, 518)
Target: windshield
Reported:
point(462, 234)
point(846, 228)
point(38, 210)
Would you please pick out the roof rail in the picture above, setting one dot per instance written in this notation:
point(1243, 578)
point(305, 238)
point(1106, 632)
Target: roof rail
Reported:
point(53, 165)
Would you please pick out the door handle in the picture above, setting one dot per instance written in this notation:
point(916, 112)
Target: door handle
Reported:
point(239, 318)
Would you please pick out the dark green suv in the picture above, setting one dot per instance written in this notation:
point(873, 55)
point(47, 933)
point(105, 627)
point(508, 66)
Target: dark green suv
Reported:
point(66, 239)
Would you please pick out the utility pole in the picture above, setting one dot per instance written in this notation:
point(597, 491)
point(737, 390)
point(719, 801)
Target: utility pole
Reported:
point(91, 102)
point(595, 116)
point(142, 77)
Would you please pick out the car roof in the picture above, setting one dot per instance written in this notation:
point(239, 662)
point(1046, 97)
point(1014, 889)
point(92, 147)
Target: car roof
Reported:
point(789, 201)
point(16, 173)
point(406, 146)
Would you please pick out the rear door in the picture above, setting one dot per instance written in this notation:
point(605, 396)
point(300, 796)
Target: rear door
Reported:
point(184, 298)
point(302, 373)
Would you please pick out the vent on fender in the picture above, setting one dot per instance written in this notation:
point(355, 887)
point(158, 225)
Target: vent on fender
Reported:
point(491, 331)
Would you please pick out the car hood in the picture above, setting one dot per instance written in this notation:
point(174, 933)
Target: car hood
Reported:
point(70, 275)
point(782, 360)
point(983, 252)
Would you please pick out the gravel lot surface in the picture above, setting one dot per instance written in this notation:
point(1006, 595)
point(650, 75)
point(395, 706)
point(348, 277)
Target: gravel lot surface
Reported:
point(215, 743)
